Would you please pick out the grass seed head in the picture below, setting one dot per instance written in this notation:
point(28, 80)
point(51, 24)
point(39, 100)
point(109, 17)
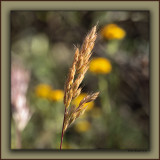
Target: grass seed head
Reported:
point(78, 69)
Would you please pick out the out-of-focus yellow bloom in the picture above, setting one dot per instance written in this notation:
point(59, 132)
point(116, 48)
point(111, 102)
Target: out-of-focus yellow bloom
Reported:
point(56, 95)
point(82, 126)
point(77, 100)
point(43, 90)
point(66, 146)
point(112, 31)
point(100, 66)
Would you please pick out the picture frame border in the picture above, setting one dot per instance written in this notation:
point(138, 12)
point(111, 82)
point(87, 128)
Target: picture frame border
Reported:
point(152, 6)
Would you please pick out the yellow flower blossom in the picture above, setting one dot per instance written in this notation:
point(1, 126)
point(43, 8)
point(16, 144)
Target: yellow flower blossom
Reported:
point(56, 95)
point(66, 146)
point(43, 90)
point(82, 126)
point(77, 100)
point(112, 31)
point(100, 66)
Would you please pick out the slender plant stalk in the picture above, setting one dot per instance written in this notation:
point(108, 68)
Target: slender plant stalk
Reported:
point(62, 130)
point(105, 100)
point(75, 77)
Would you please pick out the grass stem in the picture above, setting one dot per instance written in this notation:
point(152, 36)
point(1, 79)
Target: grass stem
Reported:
point(62, 129)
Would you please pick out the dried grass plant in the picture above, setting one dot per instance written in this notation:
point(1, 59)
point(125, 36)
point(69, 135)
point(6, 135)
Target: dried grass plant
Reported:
point(75, 76)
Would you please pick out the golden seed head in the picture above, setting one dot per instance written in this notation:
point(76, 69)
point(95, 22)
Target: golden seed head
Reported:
point(79, 67)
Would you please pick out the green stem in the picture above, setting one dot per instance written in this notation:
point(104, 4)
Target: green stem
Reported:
point(105, 100)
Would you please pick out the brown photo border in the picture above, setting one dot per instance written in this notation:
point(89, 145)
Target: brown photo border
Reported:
point(154, 39)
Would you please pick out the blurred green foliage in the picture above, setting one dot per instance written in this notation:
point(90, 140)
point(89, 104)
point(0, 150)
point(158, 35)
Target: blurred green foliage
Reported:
point(43, 41)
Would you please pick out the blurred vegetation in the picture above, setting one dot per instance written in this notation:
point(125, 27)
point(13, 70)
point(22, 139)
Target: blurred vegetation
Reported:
point(43, 42)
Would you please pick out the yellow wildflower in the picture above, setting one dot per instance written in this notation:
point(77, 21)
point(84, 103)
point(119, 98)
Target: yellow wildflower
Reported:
point(77, 100)
point(82, 126)
point(100, 66)
point(43, 90)
point(66, 146)
point(56, 95)
point(112, 31)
